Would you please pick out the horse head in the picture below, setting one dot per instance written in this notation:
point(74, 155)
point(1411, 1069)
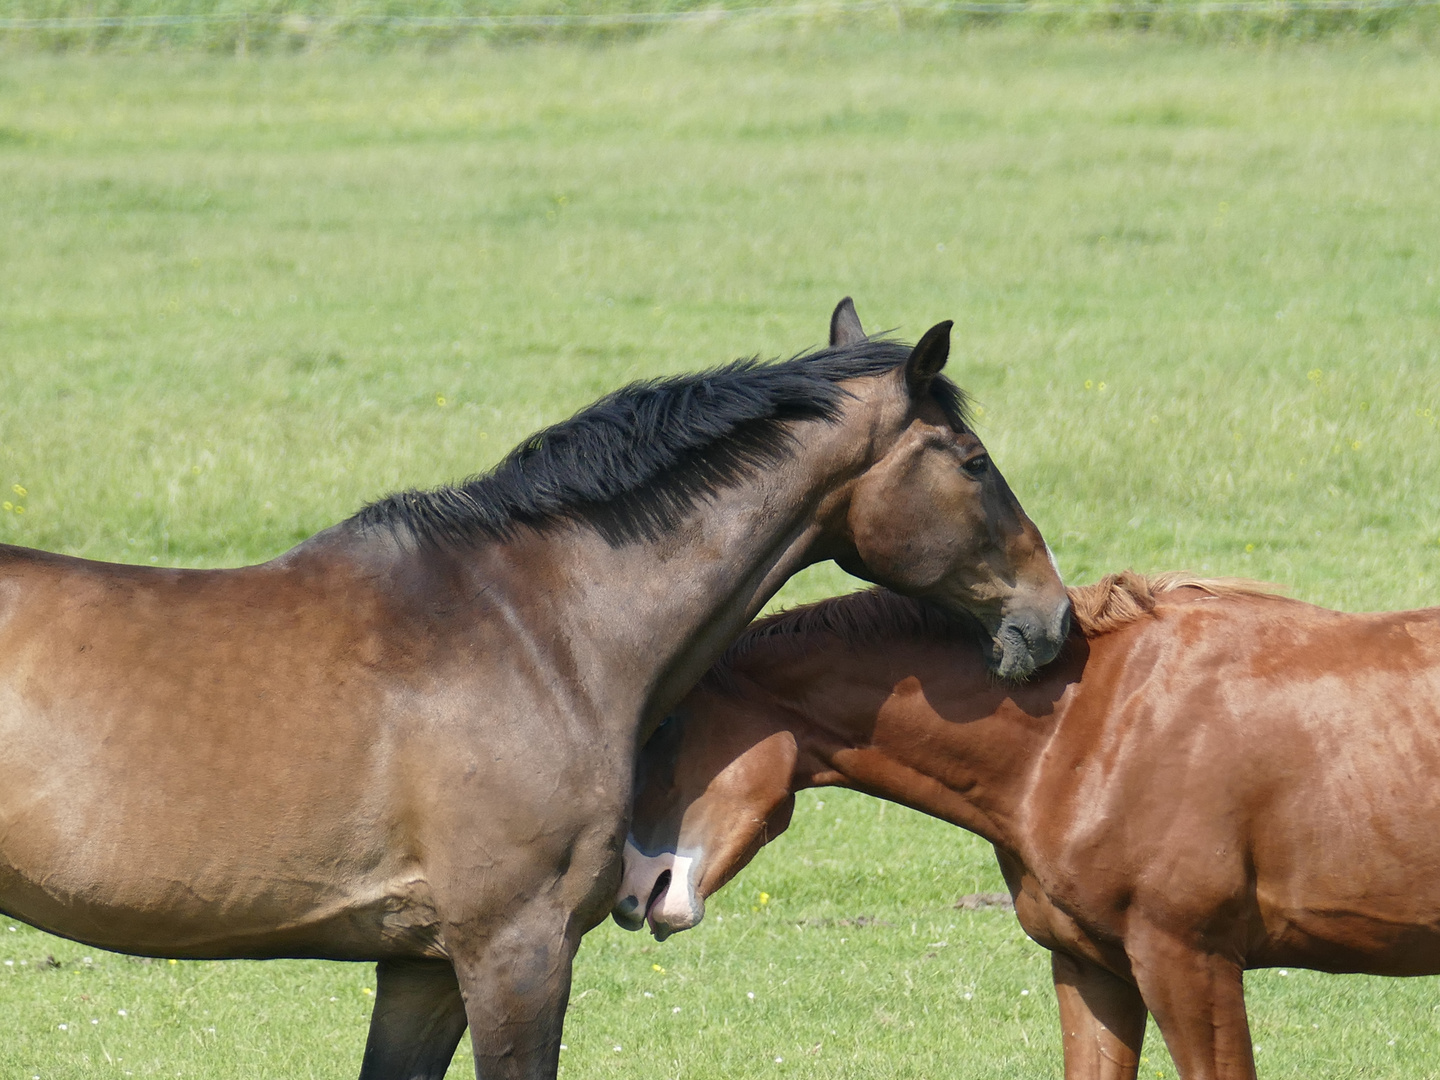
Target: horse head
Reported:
point(928, 515)
point(932, 516)
point(713, 787)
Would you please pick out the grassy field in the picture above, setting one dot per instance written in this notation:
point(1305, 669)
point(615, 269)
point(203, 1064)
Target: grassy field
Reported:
point(252, 27)
point(1195, 292)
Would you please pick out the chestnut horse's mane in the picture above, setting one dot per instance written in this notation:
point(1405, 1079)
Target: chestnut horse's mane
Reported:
point(873, 615)
point(1119, 599)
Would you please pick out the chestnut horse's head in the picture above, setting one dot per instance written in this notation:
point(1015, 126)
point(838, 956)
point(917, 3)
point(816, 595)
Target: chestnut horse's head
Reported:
point(713, 787)
point(933, 518)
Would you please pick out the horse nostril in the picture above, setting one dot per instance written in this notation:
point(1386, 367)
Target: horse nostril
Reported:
point(661, 884)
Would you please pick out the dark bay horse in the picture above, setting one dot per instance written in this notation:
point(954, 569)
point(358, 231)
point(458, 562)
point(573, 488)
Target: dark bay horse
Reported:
point(1206, 780)
point(412, 738)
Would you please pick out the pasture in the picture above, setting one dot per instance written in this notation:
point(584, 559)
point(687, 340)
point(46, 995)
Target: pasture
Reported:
point(1197, 299)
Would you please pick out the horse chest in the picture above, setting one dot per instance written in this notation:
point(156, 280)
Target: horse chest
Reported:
point(1049, 925)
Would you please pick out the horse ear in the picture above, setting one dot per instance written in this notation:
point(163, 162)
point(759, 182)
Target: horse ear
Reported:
point(928, 357)
point(845, 328)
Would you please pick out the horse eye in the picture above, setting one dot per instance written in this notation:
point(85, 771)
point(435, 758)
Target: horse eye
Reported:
point(977, 466)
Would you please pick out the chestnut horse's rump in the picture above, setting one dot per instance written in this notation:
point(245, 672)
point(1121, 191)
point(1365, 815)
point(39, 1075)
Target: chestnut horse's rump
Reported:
point(1205, 780)
point(412, 738)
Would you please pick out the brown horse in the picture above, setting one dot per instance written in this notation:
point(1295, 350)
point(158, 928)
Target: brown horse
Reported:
point(412, 738)
point(1206, 780)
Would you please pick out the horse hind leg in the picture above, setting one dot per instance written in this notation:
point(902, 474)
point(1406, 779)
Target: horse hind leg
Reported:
point(1102, 1020)
point(417, 1023)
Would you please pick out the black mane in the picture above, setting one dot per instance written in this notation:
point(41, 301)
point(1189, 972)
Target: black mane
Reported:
point(632, 464)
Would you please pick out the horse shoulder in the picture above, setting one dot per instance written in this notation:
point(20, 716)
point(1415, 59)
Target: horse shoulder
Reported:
point(1139, 787)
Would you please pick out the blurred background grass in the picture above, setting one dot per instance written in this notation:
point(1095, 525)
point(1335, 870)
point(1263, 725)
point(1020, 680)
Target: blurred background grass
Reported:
point(1195, 292)
point(243, 27)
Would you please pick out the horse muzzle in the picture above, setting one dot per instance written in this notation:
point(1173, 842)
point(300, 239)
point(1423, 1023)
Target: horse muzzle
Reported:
point(675, 906)
point(657, 889)
point(1027, 640)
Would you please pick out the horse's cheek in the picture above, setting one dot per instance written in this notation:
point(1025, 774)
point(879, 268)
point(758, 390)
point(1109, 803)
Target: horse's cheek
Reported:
point(896, 549)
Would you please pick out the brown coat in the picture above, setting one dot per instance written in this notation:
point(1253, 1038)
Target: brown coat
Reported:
point(412, 738)
point(1206, 780)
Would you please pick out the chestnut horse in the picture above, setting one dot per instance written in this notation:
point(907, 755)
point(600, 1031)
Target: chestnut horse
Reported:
point(1206, 780)
point(412, 738)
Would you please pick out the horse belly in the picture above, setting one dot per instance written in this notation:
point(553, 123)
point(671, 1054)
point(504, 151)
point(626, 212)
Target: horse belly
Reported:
point(188, 865)
point(156, 912)
point(1374, 942)
point(1345, 850)
point(135, 853)
point(1350, 881)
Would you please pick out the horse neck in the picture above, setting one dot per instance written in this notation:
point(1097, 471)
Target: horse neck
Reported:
point(922, 724)
point(642, 621)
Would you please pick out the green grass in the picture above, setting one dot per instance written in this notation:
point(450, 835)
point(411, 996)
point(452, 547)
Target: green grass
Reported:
point(250, 27)
point(1195, 292)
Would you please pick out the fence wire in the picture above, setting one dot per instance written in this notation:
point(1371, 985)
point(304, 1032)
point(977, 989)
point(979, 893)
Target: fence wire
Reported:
point(299, 21)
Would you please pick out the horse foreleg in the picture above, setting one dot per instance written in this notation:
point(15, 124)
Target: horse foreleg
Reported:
point(417, 1023)
point(1198, 1001)
point(516, 990)
point(1102, 1020)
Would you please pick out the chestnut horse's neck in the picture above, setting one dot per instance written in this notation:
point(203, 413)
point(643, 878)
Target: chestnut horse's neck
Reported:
point(886, 698)
point(918, 722)
point(880, 693)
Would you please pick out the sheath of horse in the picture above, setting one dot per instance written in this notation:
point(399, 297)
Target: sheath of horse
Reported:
point(1207, 779)
point(412, 738)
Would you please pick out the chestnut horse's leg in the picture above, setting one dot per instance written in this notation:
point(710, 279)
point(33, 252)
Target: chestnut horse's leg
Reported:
point(1198, 1001)
point(1102, 1019)
point(417, 1023)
